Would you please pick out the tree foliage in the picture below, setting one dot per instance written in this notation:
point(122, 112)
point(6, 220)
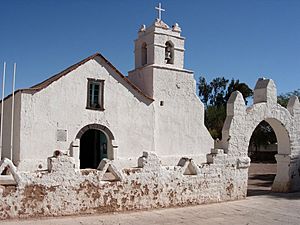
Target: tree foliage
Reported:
point(263, 135)
point(215, 95)
point(283, 99)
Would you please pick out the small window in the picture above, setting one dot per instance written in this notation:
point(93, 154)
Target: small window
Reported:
point(95, 94)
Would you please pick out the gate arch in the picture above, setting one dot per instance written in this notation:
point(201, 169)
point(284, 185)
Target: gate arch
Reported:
point(242, 121)
point(95, 126)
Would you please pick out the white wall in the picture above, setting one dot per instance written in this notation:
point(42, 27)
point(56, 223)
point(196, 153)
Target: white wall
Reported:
point(62, 105)
point(6, 143)
point(179, 122)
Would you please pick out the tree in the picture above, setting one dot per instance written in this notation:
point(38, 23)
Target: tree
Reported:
point(263, 135)
point(214, 118)
point(241, 87)
point(283, 99)
point(215, 95)
point(218, 87)
point(204, 90)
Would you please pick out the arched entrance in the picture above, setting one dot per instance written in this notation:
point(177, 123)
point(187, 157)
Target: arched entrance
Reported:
point(263, 144)
point(95, 145)
point(241, 121)
point(278, 137)
point(262, 150)
point(93, 148)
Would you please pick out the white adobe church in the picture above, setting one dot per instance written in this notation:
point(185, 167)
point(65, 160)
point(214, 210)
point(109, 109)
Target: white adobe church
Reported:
point(146, 130)
point(92, 111)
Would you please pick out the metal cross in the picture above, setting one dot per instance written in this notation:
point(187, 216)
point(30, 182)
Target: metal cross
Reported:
point(159, 9)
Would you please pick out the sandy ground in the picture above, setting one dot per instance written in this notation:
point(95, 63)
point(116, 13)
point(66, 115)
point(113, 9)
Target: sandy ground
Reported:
point(261, 178)
point(262, 207)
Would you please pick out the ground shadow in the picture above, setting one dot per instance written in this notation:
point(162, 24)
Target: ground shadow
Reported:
point(260, 180)
point(260, 184)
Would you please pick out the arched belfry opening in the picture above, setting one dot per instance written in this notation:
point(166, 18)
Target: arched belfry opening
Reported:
point(95, 145)
point(169, 52)
point(144, 53)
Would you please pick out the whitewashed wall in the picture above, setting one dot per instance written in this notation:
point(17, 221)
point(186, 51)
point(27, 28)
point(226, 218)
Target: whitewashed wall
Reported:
point(242, 121)
point(62, 105)
point(6, 143)
point(179, 122)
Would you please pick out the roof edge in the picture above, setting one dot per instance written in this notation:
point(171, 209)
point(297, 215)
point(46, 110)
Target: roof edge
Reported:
point(44, 84)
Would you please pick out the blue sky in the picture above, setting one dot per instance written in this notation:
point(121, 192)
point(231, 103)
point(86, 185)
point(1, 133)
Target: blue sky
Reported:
point(237, 39)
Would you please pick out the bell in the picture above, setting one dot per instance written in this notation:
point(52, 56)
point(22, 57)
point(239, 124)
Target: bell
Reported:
point(168, 56)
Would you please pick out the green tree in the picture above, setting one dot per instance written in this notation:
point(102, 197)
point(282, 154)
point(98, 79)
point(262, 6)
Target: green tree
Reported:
point(235, 85)
point(214, 118)
point(215, 95)
point(283, 99)
point(204, 90)
point(263, 135)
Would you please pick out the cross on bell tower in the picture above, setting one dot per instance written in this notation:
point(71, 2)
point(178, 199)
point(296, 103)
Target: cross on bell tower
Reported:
point(159, 52)
point(159, 10)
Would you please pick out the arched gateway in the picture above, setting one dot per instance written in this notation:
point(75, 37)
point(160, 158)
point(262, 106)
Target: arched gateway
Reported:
point(241, 122)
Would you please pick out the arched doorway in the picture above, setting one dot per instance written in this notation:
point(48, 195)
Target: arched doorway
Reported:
point(93, 148)
point(262, 150)
point(95, 145)
point(283, 150)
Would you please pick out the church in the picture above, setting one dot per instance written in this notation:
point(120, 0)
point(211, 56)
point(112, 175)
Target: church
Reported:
point(92, 111)
point(92, 140)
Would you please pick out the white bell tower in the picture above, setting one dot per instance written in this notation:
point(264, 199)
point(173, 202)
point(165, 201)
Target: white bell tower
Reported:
point(159, 52)
point(159, 44)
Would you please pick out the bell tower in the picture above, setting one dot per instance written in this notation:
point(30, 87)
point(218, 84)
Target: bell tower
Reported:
point(157, 47)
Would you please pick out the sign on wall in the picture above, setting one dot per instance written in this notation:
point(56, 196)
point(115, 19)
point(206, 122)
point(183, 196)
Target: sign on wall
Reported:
point(61, 135)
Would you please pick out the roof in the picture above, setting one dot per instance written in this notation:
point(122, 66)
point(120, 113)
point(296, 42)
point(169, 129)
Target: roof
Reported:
point(56, 77)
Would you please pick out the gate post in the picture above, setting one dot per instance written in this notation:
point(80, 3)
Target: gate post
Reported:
point(285, 180)
point(75, 152)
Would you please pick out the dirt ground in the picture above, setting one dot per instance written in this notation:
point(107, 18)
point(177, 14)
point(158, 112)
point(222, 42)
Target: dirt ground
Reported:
point(261, 176)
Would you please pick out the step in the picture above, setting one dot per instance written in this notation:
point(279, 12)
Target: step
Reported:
point(7, 180)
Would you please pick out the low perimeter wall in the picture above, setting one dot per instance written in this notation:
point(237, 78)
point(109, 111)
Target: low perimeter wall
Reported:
point(63, 190)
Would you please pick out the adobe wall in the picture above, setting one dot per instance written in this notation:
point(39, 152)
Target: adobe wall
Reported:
point(65, 191)
point(179, 123)
point(242, 121)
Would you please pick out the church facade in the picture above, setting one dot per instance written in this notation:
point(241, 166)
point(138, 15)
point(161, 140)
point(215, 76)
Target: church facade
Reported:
point(91, 111)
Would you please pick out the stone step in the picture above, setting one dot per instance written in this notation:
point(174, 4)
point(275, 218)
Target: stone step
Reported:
point(217, 151)
point(7, 180)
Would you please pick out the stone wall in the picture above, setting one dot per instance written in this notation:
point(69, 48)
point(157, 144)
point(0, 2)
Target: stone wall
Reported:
point(64, 190)
point(241, 121)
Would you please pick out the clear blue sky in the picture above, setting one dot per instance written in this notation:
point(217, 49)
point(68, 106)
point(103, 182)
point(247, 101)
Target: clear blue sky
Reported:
point(241, 39)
